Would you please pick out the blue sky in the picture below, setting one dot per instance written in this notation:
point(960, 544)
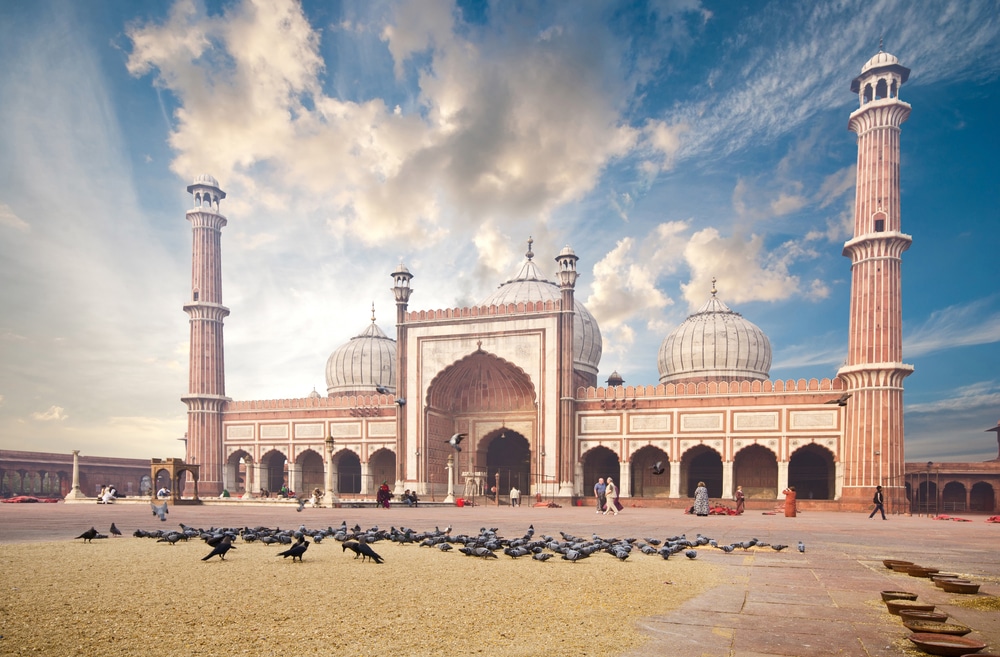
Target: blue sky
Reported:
point(667, 142)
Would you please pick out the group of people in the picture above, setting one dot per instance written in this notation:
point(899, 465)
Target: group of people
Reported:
point(409, 497)
point(384, 495)
point(107, 495)
point(606, 494)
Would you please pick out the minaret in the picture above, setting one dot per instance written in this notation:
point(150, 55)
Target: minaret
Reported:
point(874, 371)
point(206, 396)
point(401, 290)
point(566, 459)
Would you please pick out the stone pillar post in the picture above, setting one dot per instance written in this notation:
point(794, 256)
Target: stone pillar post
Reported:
point(625, 479)
point(727, 480)
point(330, 476)
point(675, 479)
point(76, 493)
point(450, 498)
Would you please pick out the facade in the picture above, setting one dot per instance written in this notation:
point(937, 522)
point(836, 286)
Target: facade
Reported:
point(517, 374)
point(45, 474)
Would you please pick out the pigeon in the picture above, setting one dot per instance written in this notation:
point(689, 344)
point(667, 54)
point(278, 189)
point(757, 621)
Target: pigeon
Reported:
point(88, 535)
point(220, 549)
point(840, 401)
point(542, 556)
point(115, 531)
point(296, 551)
point(160, 510)
point(658, 468)
point(456, 439)
point(302, 503)
point(382, 390)
point(802, 546)
point(691, 554)
point(778, 547)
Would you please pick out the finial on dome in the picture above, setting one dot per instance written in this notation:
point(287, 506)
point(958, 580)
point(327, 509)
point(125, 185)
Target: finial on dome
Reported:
point(373, 312)
point(714, 291)
point(529, 255)
point(880, 43)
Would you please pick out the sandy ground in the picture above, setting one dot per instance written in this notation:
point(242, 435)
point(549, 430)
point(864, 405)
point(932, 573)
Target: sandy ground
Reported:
point(126, 596)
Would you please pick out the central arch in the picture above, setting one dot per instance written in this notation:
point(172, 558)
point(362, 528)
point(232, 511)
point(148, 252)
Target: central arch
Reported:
point(701, 463)
point(507, 453)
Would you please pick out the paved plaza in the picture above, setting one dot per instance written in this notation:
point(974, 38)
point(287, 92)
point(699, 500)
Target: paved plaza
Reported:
point(824, 601)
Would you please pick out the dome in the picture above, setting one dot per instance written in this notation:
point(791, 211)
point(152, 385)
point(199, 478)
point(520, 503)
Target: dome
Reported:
point(528, 284)
point(715, 344)
point(205, 179)
point(362, 365)
point(880, 59)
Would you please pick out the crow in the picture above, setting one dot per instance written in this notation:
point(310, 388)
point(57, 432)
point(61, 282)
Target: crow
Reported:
point(115, 531)
point(658, 468)
point(88, 535)
point(362, 550)
point(455, 440)
point(296, 551)
point(160, 510)
point(220, 549)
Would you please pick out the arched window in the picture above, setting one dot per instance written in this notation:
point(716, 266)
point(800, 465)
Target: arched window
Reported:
point(881, 90)
point(868, 93)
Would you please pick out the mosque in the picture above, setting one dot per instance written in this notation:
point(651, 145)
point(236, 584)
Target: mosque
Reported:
point(517, 375)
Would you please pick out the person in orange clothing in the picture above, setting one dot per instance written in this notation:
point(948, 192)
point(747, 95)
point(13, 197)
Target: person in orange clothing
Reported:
point(790, 502)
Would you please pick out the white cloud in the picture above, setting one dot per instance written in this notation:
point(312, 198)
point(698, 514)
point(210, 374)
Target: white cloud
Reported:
point(969, 324)
point(9, 219)
point(982, 394)
point(53, 414)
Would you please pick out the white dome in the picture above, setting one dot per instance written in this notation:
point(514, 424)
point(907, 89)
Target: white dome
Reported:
point(365, 363)
point(528, 284)
point(880, 59)
point(715, 343)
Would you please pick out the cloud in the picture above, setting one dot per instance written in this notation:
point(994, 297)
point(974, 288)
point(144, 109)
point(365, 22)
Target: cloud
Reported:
point(53, 414)
point(9, 219)
point(982, 394)
point(974, 323)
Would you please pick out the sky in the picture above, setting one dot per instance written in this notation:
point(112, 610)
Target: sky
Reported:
point(667, 142)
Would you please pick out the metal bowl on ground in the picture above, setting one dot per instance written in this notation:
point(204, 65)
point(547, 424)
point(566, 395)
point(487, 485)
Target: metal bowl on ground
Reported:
point(898, 595)
point(945, 644)
point(937, 576)
point(891, 563)
point(913, 614)
point(936, 627)
point(895, 606)
point(953, 586)
point(904, 567)
point(944, 580)
point(921, 572)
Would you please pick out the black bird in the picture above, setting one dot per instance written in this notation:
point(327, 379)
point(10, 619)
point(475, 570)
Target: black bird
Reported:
point(353, 546)
point(88, 535)
point(220, 549)
point(115, 531)
point(160, 510)
point(658, 468)
point(455, 440)
point(296, 551)
point(840, 401)
point(365, 550)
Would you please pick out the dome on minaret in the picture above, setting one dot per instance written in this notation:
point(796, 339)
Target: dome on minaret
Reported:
point(880, 59)
point(366, 363)
point(715, 344)
point(205, 179)
point(529, 284)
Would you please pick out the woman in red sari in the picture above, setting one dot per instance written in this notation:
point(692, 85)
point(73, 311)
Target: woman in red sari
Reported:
point(790, 502)
point(383, 496)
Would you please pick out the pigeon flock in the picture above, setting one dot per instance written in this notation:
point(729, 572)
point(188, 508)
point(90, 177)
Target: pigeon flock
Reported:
point(487, 544)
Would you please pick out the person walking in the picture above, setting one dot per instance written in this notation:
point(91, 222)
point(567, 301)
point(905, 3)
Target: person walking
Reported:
point(740, 500)
point(701, 499)
point(600, 491)
point(879, 501)
point(611, 497)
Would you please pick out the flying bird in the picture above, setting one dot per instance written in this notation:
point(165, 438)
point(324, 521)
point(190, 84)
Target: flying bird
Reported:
point(302, 503)
point(840, 401)
point(115, 531)
point(160, 510)
point(382, 390)
point(456, 439)
point(88, 535)
point(220, 549)
point(658, 468)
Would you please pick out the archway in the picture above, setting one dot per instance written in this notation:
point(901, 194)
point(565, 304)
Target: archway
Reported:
point(756, 469)
point(701, 463)
point(382, 467)
point(348, 473)
point(234, 478)
point(982, 498)
point(272, 476)
point(926, 497)
point(507, 453)
point(812, 472)
point(598, 463)
point(311, 472)
point(953, 497)
point(645, 482)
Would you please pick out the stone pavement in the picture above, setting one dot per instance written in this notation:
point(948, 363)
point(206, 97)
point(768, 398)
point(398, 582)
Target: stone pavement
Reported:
point(824, 601)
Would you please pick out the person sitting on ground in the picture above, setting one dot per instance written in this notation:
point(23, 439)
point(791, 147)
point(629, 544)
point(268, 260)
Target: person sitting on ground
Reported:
point(164, 492)
point(317, 496)
point(413, 498)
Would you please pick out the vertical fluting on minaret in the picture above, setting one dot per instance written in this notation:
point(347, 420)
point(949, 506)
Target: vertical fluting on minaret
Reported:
point(206, 396)
point(874, 371)
point(566, 457)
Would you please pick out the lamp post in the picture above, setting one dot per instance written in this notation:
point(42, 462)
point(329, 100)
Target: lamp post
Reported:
point(928, 490)
point(330, 495)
